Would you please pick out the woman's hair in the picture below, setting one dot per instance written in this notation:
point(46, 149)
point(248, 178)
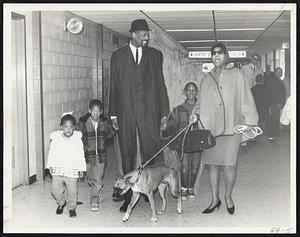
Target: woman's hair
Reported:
point(219, 45)
point(67, 117)
point(190, 83)
point(96, 102)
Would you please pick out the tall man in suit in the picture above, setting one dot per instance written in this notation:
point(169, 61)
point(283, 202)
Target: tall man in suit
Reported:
point(138, 100)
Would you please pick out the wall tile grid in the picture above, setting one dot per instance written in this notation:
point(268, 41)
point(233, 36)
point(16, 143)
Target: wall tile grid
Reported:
point(104, 61)
point(67, 68)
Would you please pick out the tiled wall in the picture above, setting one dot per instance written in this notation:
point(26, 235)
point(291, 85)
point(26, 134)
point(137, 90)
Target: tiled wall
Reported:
point(178, 69)
point(69, 64)
point(108, 47)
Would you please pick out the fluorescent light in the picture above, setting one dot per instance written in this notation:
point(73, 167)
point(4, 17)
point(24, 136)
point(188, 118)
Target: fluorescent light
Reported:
point(208, 41)
point(196, 41)
point(179, 30)
point(209, 30)
point(208, 47)
point(199, 47)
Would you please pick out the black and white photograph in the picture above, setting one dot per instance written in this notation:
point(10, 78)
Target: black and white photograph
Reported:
point(118, 118)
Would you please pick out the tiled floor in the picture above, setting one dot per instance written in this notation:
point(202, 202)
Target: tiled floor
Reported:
point(261, 196)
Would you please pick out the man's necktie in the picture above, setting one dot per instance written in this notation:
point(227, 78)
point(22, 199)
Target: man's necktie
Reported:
point(136, 56)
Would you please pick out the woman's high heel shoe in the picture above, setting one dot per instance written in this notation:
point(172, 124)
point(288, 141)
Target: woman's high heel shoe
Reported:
point(210, 210)
point(231, 210)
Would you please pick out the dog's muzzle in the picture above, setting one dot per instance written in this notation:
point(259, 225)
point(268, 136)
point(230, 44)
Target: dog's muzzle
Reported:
point(117, 197)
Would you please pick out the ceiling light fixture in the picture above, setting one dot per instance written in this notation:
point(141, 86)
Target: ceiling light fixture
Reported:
point(208, 47)
point(208, 41)
point(210, 30)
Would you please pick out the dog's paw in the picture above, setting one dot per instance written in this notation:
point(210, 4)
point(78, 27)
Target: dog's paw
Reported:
point(126, 217)
point(123, 208)
point(154, 219)
point(160, 212)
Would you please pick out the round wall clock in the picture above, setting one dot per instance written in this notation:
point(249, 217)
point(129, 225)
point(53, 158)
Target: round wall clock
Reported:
point(74, 25)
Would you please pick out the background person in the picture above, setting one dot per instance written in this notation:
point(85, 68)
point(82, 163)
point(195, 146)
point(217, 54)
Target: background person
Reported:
point(276, 97)
point(252, 69)
point(260, 95)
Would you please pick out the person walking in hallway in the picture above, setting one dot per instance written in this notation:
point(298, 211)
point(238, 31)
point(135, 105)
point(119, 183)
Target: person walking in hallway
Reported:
point(252, 69)
point(260, 95)
point(138, 100)
point(277, 98)
point(225, 100)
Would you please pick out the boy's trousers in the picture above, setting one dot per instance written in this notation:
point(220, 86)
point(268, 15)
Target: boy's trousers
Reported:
point(65, 189)
point(95, 173)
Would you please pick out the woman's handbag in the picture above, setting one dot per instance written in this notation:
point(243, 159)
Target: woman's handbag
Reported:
point(198, 140)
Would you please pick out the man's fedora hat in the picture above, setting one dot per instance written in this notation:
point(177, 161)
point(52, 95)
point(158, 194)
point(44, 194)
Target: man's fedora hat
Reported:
point(139, 24)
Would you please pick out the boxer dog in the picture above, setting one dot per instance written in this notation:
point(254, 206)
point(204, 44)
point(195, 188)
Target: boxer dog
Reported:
point(147, 180)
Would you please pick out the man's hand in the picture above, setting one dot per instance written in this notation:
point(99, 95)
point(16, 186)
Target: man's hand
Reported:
point(115, 123)
point(163, 123)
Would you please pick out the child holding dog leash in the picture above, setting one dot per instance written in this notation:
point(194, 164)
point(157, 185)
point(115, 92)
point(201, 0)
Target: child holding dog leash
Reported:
point(96, 129)
point(179, 119)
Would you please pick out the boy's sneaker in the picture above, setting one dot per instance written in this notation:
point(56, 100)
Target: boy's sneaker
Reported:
point(60, 209)
point(184, 194)
point(95, 207)
point(191, 193)
point(72, 213)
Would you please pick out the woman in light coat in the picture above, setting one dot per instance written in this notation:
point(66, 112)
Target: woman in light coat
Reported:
point(224, 101)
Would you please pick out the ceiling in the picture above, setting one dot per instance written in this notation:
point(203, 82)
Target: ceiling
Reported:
point(260, 31)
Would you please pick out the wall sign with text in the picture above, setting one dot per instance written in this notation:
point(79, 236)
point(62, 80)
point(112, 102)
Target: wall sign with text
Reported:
point(207, 54)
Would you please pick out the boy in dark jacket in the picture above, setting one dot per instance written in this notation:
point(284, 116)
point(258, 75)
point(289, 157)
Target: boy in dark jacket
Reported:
point(95, 129)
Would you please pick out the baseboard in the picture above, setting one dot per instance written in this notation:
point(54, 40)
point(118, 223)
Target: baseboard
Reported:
point(32, 179)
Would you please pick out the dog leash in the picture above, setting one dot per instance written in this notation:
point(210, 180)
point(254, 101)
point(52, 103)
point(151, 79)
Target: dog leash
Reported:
point(241, 128)
point(186, 129)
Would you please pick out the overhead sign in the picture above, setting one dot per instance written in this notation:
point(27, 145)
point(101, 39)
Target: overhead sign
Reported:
point(237, 54)
point(199, 54)
point(207, 54)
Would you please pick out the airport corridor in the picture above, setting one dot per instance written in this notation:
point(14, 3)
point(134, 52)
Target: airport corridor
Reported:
point(261, 196)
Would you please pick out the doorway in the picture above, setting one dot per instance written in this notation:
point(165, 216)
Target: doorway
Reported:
point(20, 171)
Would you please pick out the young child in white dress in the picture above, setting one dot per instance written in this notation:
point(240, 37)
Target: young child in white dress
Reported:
point(66, 163)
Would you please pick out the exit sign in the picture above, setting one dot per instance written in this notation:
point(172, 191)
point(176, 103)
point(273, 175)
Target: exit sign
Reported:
point(207, 54)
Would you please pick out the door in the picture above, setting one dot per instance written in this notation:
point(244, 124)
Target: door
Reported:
point(19, 108)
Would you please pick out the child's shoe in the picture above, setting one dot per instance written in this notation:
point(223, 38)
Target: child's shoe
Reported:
point(72, 213)
point(184, 194)
point(60, 209)
point(191, 193)
point(95, 207)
